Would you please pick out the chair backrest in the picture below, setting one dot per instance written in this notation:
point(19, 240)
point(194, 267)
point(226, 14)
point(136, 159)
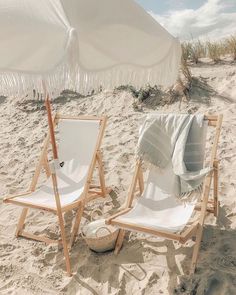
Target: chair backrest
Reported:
point(214, 121)
point(78, 139)
point(158, 183)
point(77, 143)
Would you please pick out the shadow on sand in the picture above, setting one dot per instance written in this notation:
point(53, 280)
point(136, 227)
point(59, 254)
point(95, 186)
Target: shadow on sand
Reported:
point(216, 266)
point(36, 102)
point(2, 99)
point(216, 270)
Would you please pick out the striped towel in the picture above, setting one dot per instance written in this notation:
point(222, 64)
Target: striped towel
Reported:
point(176, 142)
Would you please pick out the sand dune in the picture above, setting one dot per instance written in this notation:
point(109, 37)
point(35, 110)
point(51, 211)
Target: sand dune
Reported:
point(145, 265)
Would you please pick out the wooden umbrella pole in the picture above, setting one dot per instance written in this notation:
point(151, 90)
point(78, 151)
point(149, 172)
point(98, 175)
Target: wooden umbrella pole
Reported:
point(51, 128)
point(55, 186)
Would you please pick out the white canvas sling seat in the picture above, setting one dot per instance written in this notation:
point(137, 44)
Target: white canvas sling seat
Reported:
point(77, 142)
point(162, 214)
point(158, 210)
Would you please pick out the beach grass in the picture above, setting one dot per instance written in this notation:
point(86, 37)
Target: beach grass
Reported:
point(192, 51)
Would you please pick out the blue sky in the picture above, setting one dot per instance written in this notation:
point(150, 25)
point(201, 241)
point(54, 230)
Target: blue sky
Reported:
point(193, 19)
point(165, 5)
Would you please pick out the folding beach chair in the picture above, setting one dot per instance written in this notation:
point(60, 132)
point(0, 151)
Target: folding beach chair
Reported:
point(69, 184)
point(162, 215)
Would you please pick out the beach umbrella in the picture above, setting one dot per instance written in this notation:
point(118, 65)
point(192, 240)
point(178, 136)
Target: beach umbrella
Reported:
point(51, 45)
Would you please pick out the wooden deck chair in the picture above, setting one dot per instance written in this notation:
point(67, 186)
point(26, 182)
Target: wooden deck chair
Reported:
point(70, 186)
point(163, 216)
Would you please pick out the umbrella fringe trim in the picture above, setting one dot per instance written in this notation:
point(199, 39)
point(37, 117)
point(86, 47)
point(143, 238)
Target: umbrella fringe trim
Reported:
point(71, 75)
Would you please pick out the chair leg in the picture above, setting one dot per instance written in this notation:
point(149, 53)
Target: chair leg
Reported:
point(21, 222)
point(196, 249)
point(119, 241)
point(215, 185)
point(75, 229)
point(64, 243)
point(140, 181)
point(101, 174)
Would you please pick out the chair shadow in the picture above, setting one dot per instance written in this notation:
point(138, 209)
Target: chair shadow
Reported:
point(114, 201)
point(216, 269)
point(101, 268)
point(111, 270)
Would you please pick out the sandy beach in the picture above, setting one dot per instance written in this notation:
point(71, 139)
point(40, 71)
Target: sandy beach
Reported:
point(146, 265)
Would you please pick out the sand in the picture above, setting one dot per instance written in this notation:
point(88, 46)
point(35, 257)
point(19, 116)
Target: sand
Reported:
point(145, 265)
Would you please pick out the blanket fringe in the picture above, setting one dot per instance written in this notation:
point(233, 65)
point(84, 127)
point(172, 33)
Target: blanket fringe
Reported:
point(191, 196)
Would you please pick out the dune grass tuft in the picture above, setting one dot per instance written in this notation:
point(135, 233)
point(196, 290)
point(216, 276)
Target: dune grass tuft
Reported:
point(192, 51)
point(231, 46)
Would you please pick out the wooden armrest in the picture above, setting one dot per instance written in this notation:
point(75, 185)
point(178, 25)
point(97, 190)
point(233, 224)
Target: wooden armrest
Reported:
point(15, 196)
point(108, 220)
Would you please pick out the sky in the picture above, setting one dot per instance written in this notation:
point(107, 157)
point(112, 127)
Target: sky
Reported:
point(194, 19)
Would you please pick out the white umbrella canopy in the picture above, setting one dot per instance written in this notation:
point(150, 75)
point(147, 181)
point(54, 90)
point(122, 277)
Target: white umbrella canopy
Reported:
point(51, 45)
point(82, 45)
point(120, 43)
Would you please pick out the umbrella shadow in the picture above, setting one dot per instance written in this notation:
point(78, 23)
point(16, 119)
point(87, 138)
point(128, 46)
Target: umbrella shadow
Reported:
point(158, 98)
point(222, 219)
point(202, 92)
point(114, 200)
point(29, 105)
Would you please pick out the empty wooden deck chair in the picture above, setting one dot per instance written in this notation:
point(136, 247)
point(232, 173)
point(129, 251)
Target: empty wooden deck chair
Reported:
point(161, 215)
point(69, 186)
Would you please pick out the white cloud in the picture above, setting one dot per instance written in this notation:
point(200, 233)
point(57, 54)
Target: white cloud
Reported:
point(212, 20)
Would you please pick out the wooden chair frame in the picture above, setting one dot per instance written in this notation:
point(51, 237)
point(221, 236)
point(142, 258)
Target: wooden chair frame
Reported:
point(90, 191)
point(206, 205)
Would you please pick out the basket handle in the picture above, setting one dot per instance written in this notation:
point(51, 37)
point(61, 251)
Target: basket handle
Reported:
point(83, 235)
point(92, 214)
point(104, 227)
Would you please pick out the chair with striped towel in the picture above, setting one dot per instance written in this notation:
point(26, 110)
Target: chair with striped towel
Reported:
point(170, 205)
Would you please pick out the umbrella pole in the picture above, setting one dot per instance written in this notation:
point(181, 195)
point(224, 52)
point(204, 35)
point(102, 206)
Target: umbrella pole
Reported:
point(51, 127)
point(55, 186)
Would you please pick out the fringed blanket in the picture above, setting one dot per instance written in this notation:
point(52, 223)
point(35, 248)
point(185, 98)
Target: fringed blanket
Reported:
point(176, 145)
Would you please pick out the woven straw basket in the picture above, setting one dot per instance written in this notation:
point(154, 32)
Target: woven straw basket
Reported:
point(99, 236)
